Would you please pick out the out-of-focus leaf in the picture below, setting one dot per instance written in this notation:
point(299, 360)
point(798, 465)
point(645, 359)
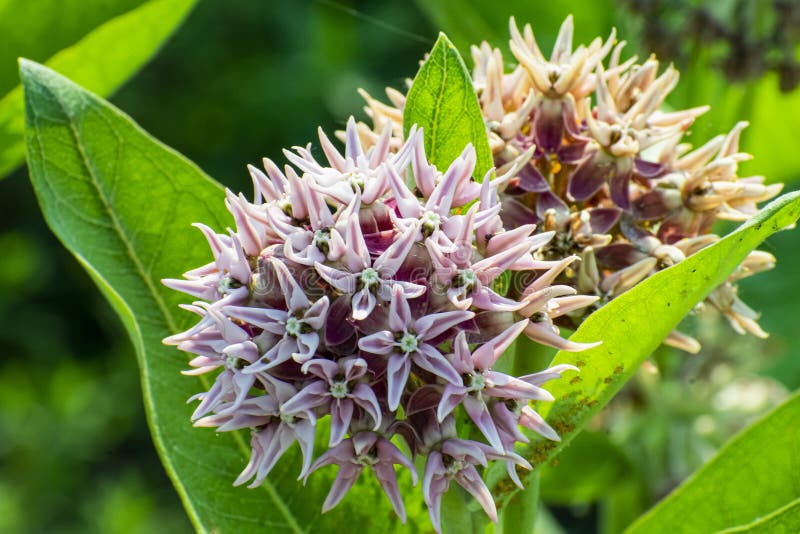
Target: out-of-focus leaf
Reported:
point(521, 512)
point(622, 505)
point(469, 22)
point(772, 136)
point(546, 523)
point(633, 325)
point(101, 61)
point(774, 117)
point(753, 475)
point(443, 103)
point(461, 513)
point(37, 29)
point(123, 203)
point(584, 472)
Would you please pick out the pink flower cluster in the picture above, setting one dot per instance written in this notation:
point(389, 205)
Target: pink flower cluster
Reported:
point(374, 288)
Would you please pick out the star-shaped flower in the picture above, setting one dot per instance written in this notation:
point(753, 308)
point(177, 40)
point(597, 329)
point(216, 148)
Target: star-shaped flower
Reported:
point(412, 340)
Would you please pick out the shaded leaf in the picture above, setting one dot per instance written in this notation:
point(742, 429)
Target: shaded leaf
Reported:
point(443, 103)
point(522, 512)
point(461, 513)
point(585, 471)
point(753, 475)
point(123, 203)
point(633, 325)
point(102, 61)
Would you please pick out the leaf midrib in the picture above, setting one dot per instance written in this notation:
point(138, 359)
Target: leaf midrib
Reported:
point(155, 295)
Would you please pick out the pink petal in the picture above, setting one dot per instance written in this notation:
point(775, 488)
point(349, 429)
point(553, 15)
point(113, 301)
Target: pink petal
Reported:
point(378, 343)
point(469, 479)
point(432, 326)
point(397, 370)
point(429, 358)
point(343, 281)
point(363, 303)
point(479, 413)
point(399, 311)
point(487, 354)
point(452, 397)
point(345, 478)
point(341, 415)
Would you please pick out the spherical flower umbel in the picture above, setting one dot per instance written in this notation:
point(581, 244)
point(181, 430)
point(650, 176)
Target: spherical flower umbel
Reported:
point(365, 288)
point(603, 166)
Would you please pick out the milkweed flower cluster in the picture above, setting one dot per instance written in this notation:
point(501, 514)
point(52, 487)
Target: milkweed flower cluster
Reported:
point(366, 286)
point(607, 168)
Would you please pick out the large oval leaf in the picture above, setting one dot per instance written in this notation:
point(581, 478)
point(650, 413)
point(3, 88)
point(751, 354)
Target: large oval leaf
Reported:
point(123, 203)
point(102, 61)
point(756, 474)
point(633, 325)
point(442, 102)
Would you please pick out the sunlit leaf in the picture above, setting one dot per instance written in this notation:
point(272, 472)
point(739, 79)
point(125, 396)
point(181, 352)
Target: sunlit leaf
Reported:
point(443, 103)
point(784, 520)
point(102, 61)
point(123, 203)
point(633, 325)
point(753, 483)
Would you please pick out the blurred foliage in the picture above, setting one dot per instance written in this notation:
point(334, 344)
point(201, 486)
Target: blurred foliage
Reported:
point(240, 80)
point(747, 38)
point(37, 29)
point(102, 60)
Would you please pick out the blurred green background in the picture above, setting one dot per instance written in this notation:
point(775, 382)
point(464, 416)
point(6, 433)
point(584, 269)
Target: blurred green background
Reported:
point(243, 78)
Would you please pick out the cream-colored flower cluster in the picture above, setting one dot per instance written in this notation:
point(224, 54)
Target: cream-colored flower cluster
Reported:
point(604, 165)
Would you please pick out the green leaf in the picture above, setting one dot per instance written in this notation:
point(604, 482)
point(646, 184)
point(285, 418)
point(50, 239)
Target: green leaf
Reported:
point(522, 511)
point(443, 103)
point(633, 325)
point(102, 61)
point(784, 520)
point(753, 475)
point(123, 203)
point(576, 477)
point(461, 514)
point(37, 29)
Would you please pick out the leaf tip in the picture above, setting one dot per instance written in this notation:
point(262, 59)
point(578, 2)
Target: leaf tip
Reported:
point(26, 67)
